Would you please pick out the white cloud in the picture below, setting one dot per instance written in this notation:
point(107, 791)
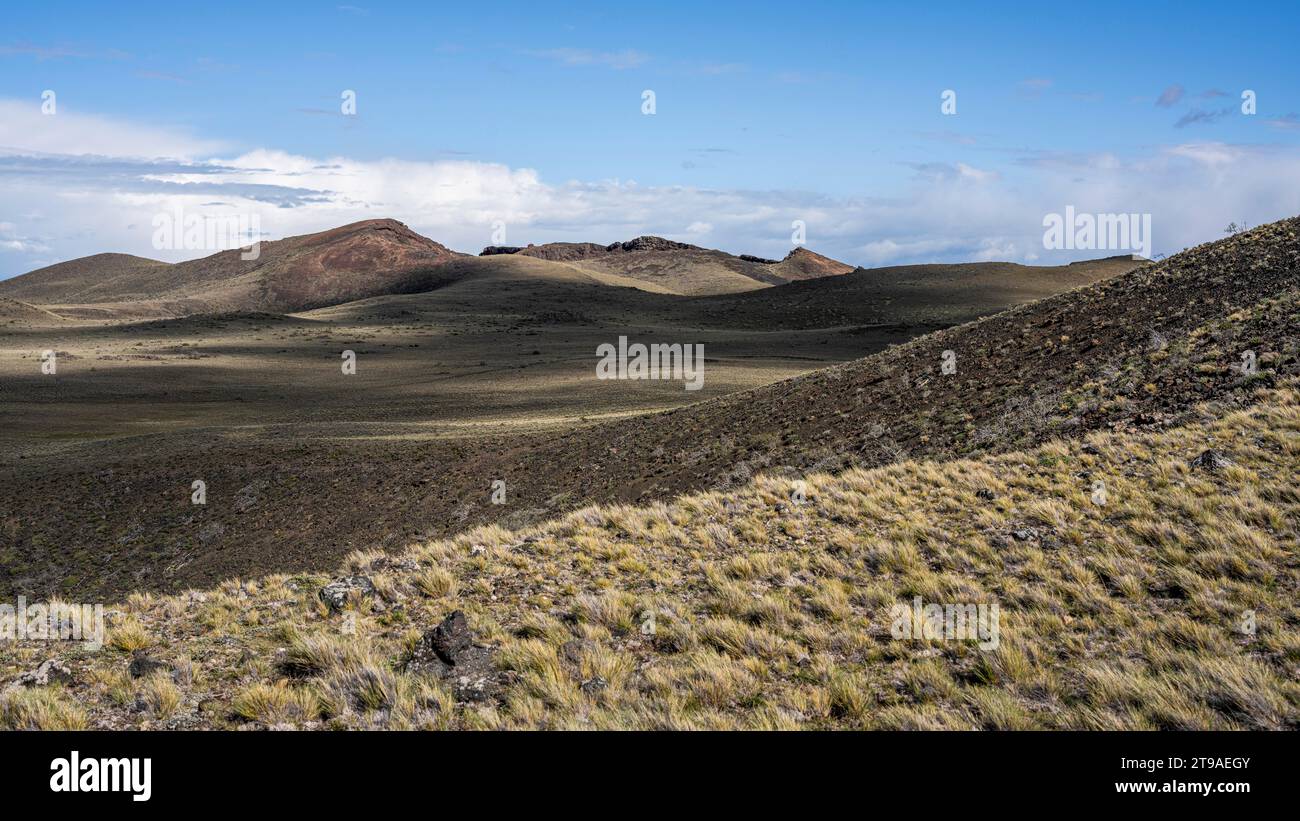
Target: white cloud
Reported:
point(56, 206)
point(627, 58)
point(24, 129)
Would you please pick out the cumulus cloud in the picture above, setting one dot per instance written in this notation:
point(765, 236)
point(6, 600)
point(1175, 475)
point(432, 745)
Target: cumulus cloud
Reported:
point(100, 194)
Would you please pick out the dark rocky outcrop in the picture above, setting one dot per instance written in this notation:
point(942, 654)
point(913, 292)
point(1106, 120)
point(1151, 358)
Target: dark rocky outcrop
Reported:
point(449, 652)
point(648, 243)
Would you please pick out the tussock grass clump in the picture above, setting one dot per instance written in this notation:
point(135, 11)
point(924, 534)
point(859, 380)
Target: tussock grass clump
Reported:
point(436, 583)
point(320, 653)
point(129, 635)
point(160, 695)
point(41, 708)
point(277, 703)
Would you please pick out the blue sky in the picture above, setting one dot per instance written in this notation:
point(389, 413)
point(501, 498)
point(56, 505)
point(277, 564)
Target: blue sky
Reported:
point(530, 115)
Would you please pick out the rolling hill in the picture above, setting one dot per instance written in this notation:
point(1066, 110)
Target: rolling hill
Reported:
point(802, 263)
point(668, 266)
point(1137, 350)
point(89, 279)
point(379, 258)
point(23, 314)
point(382, 257)
point(298, 273)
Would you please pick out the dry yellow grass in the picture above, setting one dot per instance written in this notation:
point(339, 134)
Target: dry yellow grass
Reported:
point(1171, 604)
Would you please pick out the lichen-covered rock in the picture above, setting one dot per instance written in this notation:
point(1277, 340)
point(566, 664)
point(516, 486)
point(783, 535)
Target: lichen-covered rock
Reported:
point(339, 592)
point(449, 652)
point(50, 671)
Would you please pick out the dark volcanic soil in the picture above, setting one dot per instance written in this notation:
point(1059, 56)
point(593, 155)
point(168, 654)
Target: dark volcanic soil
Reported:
point(1138, 350)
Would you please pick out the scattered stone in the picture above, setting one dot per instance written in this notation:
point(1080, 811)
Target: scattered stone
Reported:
point(142, 664)
point(248, 496)
point(50, 671)
point(337, 593)
point(1024, 534)
point(392, 563)
point(593, 685)
point(212, 531)
point(1090, 449)
point(1211, 460)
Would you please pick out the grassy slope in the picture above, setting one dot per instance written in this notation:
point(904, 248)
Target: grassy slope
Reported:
point(774, 613)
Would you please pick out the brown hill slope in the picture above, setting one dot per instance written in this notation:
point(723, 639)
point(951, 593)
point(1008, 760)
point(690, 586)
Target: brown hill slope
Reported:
point(297, 273)
point(936, 295)
point(689, 271)
point(16, 312)
point(88, 279)
point(909, 300)
point(375, 258)
point(804, 264)
point(668, 266)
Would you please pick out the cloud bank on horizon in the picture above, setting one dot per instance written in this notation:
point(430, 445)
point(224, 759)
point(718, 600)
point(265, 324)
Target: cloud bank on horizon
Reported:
point(741, 146)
